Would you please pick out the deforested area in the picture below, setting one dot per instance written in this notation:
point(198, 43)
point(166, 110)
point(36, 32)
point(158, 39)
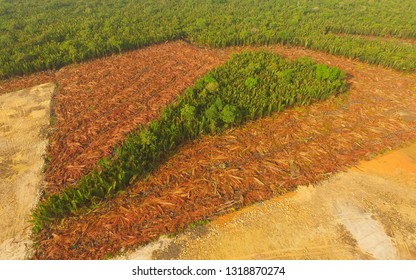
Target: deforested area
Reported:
point(170, 114)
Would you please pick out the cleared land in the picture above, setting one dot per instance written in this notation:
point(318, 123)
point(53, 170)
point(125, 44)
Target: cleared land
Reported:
point(100, 102)
point(208, 177)
point(24, 121)
point(367, 212)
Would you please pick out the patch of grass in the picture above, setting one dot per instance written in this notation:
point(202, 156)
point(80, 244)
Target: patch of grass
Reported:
point(198, 223)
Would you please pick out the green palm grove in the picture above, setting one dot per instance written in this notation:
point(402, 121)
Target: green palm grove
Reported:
point(48, 34)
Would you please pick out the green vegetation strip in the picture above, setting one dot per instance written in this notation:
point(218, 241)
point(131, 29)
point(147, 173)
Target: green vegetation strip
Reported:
point(48, 34)
point(249, 86)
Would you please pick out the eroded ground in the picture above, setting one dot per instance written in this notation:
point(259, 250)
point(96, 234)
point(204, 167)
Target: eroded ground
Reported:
point(24, 120)
point(368, 212)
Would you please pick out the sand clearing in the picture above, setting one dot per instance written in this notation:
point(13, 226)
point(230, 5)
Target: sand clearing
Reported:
point(24, 120)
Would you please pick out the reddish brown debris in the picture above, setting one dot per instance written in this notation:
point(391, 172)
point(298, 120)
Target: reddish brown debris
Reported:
point(264, 158)
point(99, 102)
point(27, 81)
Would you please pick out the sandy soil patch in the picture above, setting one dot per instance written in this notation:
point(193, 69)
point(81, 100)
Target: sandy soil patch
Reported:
point(24, 120)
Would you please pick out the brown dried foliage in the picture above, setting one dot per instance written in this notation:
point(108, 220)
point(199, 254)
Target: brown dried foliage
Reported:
point(101, 101)
point(18, 83)
point(209, 176)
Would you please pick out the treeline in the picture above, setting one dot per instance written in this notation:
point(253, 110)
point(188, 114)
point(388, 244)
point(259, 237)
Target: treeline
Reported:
point(47, 34)
point(249, 86)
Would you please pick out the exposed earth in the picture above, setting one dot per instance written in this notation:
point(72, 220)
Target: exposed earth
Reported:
point(368, 212)
point(24, 123)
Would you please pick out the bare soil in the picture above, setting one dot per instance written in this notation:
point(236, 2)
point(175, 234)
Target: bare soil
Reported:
point(24, 122)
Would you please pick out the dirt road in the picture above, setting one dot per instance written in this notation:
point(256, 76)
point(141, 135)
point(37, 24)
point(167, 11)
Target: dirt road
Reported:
point(24, 119)
point(368, 212)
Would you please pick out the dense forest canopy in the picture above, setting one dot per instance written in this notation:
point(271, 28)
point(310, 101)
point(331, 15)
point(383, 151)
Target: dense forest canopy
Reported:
point(48, 34)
